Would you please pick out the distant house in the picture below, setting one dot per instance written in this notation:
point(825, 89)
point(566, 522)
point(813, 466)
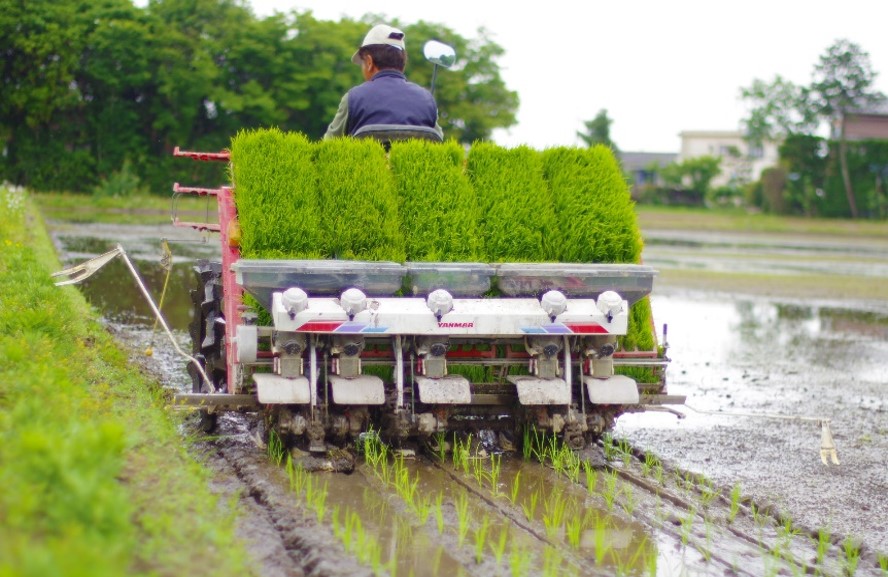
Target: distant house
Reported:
point(866, 124)
point(741, 162)
point(642, 168)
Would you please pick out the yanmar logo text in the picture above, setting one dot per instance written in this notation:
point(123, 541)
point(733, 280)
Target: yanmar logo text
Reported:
point(456, 325)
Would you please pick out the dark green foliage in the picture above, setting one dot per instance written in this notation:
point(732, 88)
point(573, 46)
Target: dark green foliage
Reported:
point(359, 201)
point(517, 216)
point(596, 215)
point(276, 193)
point(438, 208)
point(88, 85)
point(814, 185)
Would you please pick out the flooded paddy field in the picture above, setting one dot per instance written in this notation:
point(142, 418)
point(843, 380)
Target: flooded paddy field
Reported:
point(769, 337)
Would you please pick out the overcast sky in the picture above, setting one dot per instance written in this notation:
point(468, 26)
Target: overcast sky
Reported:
point(658, 67)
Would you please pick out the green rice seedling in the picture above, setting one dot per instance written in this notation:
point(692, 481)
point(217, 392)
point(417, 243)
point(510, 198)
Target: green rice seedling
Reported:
point(574, 531)
point(496, 471)
point(519, 560)
point(624, 449)
point(610, 489)
point(883, 563)
point(526, 444)
point(551, 561)
point(498, 548)
point(707, 550)
point(735, 503)
point(651, 565)
point(439, 512)
point(824, 540)
point(461, 453)
point(516, 487)
point(687, 525)
point(481, 539)
point(594, 209)
point(441, 446)
point(708, 495)
point(437, 204)
point(553, 513)
point(629, 502)
point(516, 214)
point(361, 219)
point(275, 448)
point(647, 466)
point(462, 516)
point(591, 477)
point(276, 193)
point(851, 549)
point(602, 547)
point(609, 447)
point(335, 523)
point(530, 507)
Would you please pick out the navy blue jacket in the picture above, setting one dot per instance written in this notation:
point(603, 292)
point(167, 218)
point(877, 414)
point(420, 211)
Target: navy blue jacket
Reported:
point(387, 98)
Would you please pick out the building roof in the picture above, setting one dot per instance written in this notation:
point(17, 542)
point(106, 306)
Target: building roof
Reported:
point(641, 160)
point(878, 109)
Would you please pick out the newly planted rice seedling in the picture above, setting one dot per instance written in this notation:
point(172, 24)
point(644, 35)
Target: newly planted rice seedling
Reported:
point(462, 516)
point(499, 547)
point(591, 477)
point(574, 531)
point(439, 512)
point(553, 514)
point(610, 489)
point(883, 563)
point(275, 448)
point(519, 560)
point(629, 501)
point(735, 503)
point(530, 507)
point(687, 526)
point(516, 486)
point(552, 560)
point(851, 549)
point(481, 539)
point(823, 542)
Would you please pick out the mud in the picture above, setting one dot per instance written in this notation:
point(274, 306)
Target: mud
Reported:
point(761, 372)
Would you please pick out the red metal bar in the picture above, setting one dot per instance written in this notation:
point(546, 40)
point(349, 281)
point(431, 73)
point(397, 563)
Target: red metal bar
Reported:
point(232, 293)
point(224, 155)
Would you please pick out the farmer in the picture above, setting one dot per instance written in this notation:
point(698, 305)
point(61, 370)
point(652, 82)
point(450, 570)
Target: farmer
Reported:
point(386, 97)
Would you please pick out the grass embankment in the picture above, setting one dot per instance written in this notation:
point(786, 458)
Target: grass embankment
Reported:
point(95, 478)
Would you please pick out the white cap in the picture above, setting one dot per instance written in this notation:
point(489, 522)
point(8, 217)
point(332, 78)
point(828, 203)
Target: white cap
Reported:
point(381, 34)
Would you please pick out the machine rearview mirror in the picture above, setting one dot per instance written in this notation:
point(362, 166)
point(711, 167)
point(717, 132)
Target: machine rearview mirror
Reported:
point(439, 53)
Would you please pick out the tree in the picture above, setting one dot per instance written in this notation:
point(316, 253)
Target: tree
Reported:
point(694, 173)
point(842, 82)
point(598, 131)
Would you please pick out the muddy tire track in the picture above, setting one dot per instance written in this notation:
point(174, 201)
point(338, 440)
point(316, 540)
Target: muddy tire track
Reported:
point(282, 535)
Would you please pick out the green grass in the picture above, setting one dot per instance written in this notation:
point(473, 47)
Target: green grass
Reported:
point(95, 476)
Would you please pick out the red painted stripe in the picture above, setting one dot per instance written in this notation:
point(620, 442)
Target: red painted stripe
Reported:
point(320, 326)
point(587, 328)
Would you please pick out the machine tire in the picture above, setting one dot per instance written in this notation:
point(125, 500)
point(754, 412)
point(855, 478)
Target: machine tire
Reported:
point(207, 336)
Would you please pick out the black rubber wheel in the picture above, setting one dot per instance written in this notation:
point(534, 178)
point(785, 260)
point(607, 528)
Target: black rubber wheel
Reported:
point(207, 335)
